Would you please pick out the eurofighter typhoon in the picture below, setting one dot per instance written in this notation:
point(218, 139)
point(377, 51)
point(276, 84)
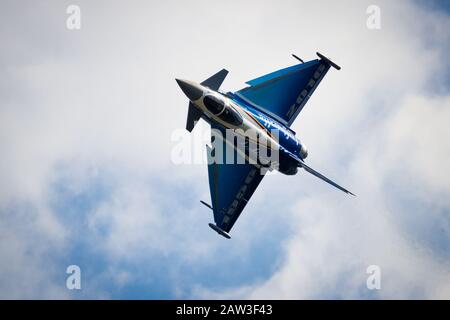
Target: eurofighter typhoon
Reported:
point(251, 134)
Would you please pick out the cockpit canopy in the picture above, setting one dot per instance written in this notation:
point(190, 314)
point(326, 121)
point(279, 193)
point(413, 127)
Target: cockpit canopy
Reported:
point(224, 112)
point(213, 104)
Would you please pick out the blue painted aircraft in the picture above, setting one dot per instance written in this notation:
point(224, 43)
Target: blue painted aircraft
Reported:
point(268, 105)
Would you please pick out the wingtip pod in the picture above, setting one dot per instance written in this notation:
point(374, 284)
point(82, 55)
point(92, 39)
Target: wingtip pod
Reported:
point(334, 65)
point(219, 231)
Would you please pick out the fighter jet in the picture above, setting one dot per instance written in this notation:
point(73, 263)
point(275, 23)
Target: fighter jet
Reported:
point(261, 114)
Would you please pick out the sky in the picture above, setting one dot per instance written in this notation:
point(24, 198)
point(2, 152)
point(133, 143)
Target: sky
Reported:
point(89, 120)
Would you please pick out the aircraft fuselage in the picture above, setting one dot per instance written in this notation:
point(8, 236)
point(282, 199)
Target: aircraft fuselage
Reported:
point(230, 112)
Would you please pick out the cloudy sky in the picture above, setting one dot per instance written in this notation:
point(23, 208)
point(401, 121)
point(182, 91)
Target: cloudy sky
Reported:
point(89, 119)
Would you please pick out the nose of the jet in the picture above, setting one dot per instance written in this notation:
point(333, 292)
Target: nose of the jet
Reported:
point(190, 89)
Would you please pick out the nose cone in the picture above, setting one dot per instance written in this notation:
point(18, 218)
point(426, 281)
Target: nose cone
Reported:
point(192, 90)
